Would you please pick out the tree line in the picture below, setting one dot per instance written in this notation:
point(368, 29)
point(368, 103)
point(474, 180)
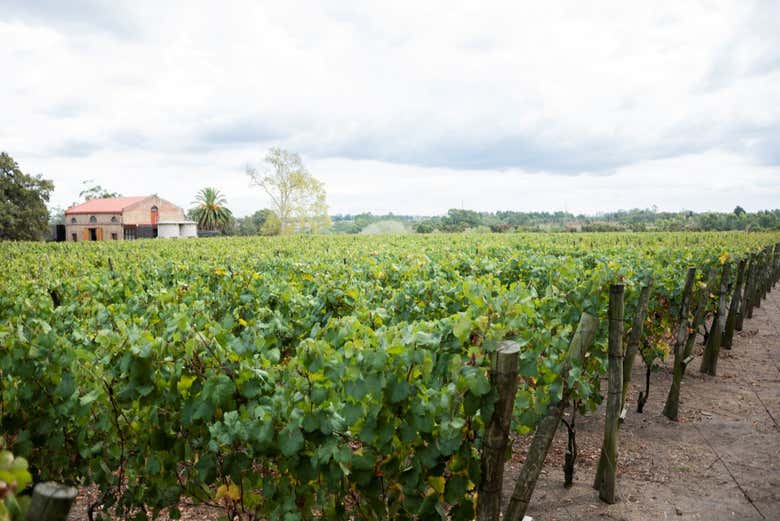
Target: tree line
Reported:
point(636, 220)
point(299, 205)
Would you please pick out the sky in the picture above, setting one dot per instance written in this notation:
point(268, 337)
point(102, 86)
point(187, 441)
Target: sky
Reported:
point(411, 107)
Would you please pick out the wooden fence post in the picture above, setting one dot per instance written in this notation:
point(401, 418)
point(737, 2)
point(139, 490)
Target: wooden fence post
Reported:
point(545, 431)
point(731, 320)
point(744, 296)
point(503, 377)
point(50, 502)
point(634, 338)
point(607, 470)
point(709, 361)
point(673, 399)
point(750, 288)
point(758, 290)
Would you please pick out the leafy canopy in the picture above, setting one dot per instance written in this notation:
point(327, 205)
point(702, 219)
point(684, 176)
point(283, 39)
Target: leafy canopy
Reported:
point(23, 198)
point(94, 191)
point(210, 210)
point(297, 197)
point(262, 222)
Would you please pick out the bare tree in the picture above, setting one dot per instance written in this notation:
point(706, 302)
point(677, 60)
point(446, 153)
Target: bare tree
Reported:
point(297, 197)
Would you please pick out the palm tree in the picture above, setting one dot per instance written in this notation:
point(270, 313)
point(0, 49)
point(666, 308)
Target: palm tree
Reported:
point(210, 211)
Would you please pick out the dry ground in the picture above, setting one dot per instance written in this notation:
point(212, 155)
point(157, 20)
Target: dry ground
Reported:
point(721, 461)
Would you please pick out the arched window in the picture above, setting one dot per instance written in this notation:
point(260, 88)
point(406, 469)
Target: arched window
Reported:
point(114, 219)
point(155, 215)
point(93, 220)
point(73, 220)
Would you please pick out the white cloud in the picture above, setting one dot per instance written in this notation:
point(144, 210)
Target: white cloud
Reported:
point(404, 106)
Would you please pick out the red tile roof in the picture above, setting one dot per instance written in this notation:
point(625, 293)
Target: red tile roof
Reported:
point(112, 205)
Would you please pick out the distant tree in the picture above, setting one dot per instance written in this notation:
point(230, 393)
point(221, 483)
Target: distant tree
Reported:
point(738, 211)
point(297, 197)
point(23, 198)
point(210, 210)
point(94, 191)
point(262, 222)
point(426, 226)
point(460, 220)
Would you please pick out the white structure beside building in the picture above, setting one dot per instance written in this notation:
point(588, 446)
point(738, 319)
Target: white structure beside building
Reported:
point(177, 229)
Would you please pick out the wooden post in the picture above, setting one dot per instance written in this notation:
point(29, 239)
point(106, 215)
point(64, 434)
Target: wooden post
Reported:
point(50, 502)
point(545, 431)
point(634, 338)
point(731, 320)
point(750, 291)
point(709, 361)
point(743, 297)
point(503, 376)
point(758, 289)
point(673, 399)
point(606, 473)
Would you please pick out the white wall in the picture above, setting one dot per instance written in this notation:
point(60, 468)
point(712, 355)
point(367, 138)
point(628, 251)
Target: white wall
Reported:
point(188, 230)
point(167, 230)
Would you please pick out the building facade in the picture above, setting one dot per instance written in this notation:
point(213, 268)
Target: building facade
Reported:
point(119, 218)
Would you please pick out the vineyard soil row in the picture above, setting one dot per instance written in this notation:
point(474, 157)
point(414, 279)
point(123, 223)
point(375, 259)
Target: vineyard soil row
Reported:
point(683, 470)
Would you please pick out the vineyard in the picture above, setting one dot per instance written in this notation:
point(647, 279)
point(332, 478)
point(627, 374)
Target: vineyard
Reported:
point(346, 376)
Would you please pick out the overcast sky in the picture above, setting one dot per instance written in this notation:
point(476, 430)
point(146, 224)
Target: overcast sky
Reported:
point(411, 107)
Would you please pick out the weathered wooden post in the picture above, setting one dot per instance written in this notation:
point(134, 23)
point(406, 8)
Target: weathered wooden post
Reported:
point(744, 297)
point(545, 431)
point(731, 320)
point(758, 290)
point(50, 502)
point(606, 473)
point(673, 399)
point(709, 361)
point(503, 377)
point(769, 265)
point(634, 338)
point(755, 282)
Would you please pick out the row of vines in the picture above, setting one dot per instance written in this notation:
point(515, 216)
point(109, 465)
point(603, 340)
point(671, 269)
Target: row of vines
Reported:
point(313, 377)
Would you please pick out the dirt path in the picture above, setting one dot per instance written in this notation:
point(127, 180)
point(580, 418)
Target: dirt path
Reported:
point(721, 461)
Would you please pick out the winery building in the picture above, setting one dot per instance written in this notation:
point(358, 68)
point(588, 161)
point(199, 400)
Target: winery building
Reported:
point(126, 218)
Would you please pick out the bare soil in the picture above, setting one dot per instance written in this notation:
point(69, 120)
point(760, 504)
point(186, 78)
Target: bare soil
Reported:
point(720, 461)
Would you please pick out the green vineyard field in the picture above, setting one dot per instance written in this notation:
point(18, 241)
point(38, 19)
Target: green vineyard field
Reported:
point(312, 377)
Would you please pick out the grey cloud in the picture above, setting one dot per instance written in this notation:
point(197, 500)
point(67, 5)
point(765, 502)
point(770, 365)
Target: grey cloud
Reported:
point(760, 35)
point(92, 15)
point(75, 148)
point(548, 153)
point(131, 139)
point(67, 109)
point(476, 154)
point(239, 132)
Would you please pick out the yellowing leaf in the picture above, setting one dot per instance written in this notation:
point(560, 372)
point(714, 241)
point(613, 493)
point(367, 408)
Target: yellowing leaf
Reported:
point(230, 491)
point(437, 483)
point(724, 257)
point(242, 322)
point(184, 384)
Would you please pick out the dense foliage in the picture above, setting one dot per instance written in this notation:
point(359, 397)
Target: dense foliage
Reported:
point(210, 210)
point(23, 198)
point(635, 220)
point(305, 377)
